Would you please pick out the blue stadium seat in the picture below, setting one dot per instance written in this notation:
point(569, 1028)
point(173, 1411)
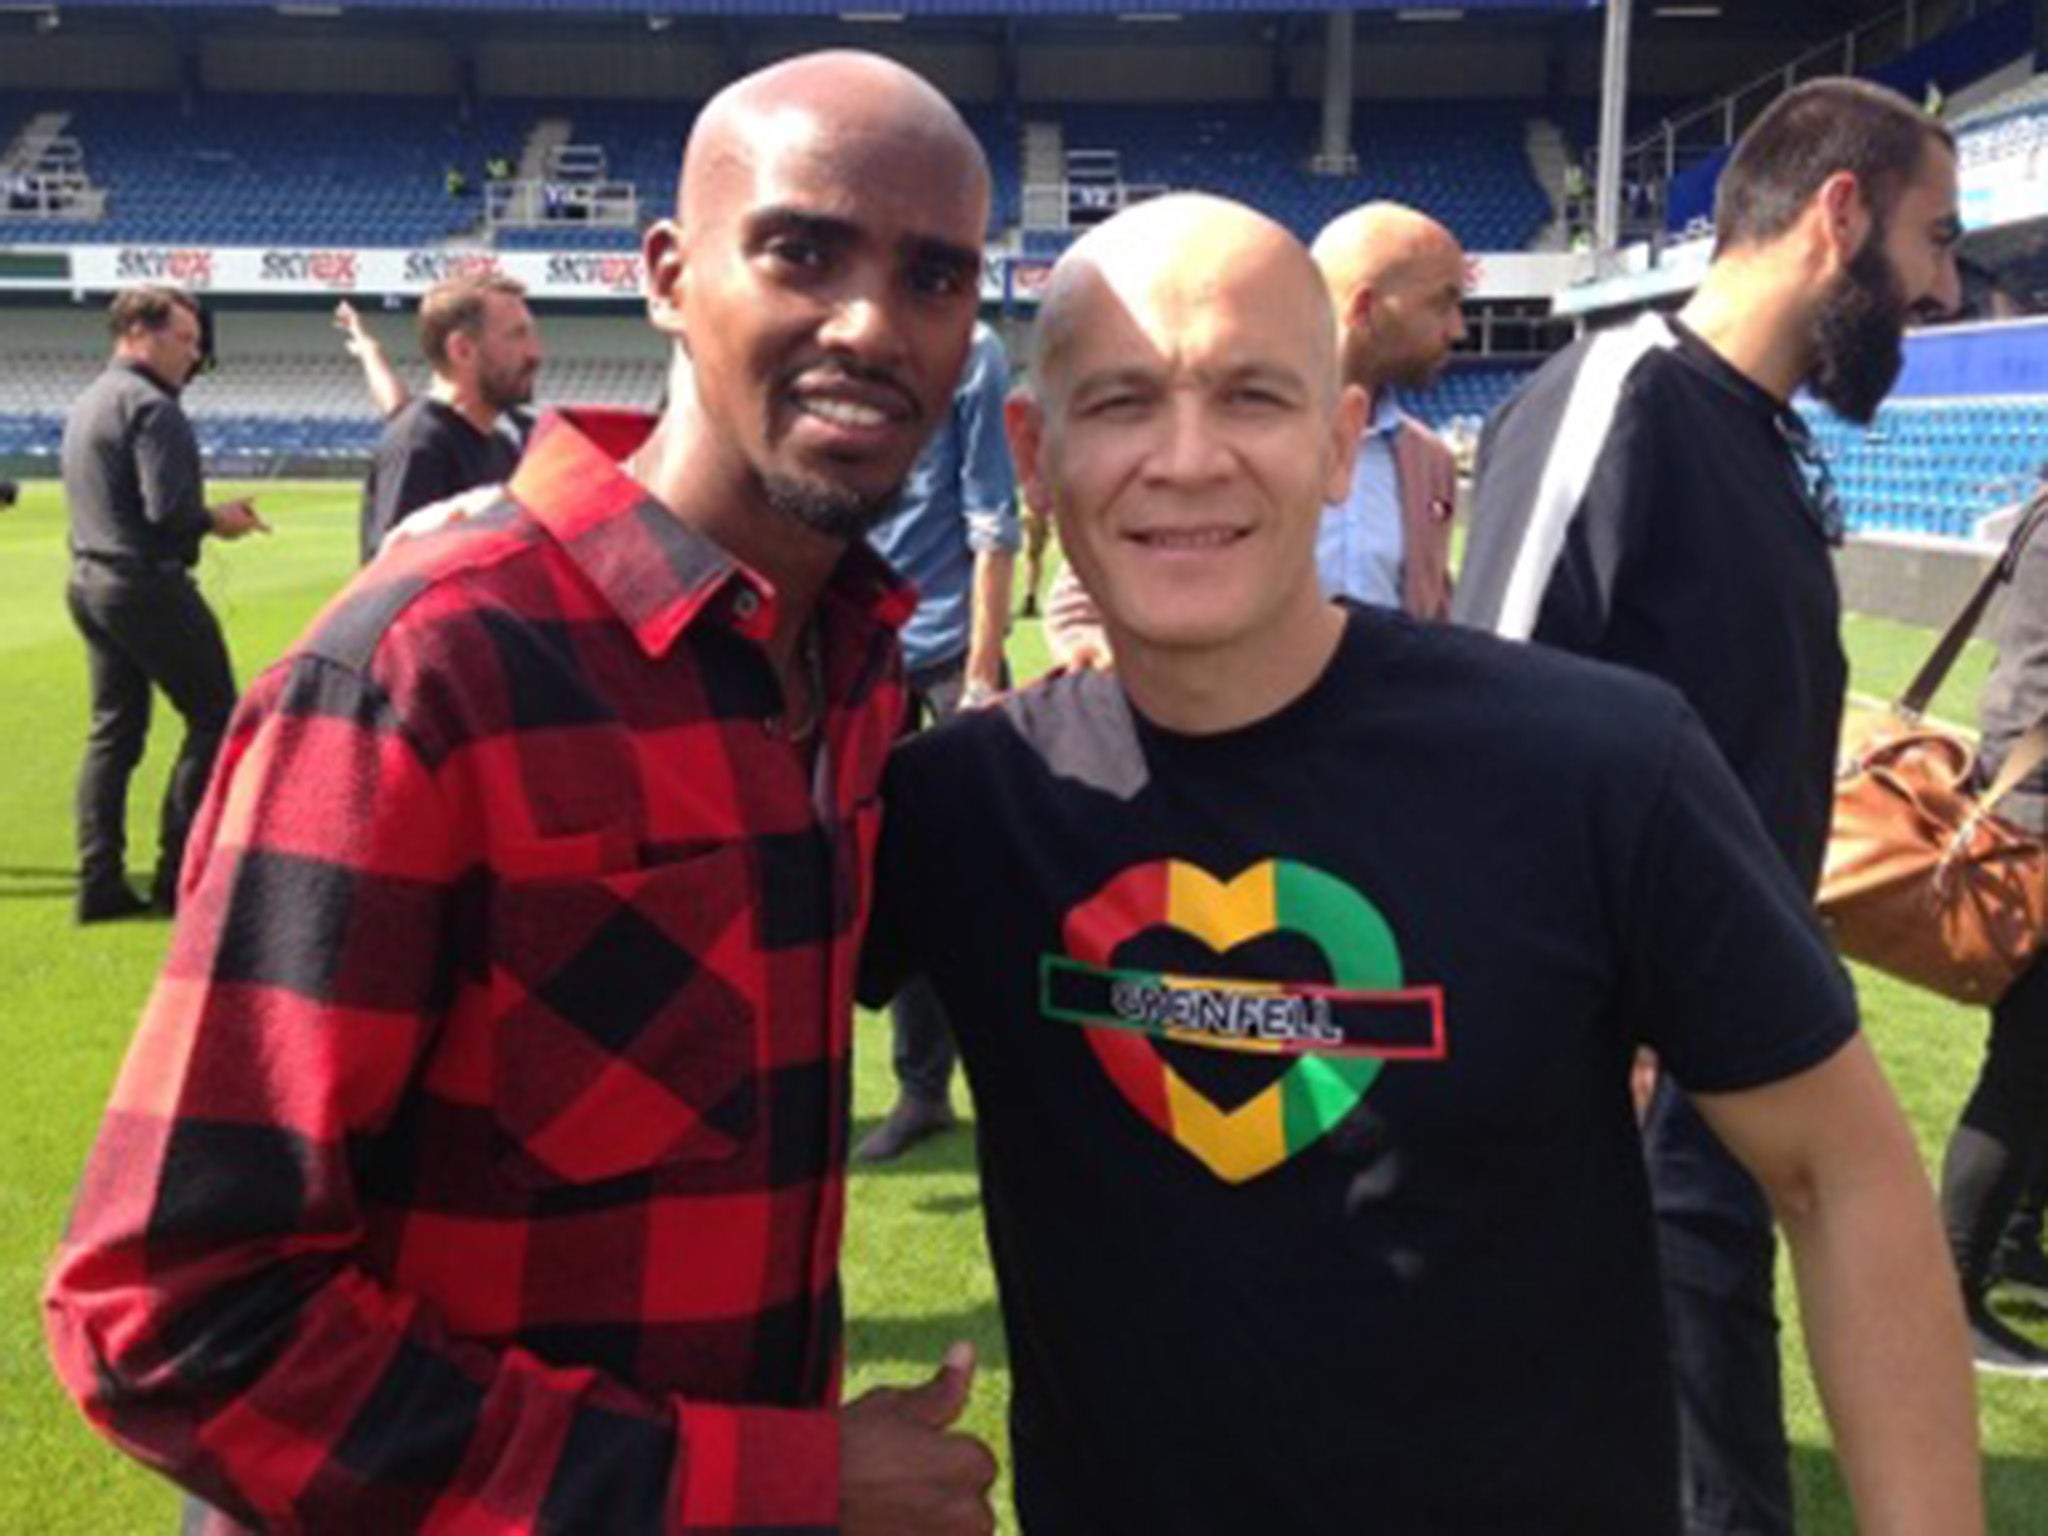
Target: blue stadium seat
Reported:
point(1933, 467)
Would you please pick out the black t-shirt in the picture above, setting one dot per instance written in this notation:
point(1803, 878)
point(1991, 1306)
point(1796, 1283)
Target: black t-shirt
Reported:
point(1364, 1246)
point(1639, 501)
point(430, 451)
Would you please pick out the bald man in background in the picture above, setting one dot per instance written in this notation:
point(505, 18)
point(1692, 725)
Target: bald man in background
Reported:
point(480, 1161)
point(1396, 280)
point(1296, 966)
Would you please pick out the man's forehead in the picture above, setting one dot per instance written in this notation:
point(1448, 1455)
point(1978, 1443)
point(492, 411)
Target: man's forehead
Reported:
point(1932, 190)
point(843, 164)
point(1940, 176)
point(1196, 322)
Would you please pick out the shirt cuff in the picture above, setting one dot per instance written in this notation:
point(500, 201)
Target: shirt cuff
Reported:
point(758, 1469)
point(997, 531)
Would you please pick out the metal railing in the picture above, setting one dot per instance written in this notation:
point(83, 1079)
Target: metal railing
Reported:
point(48, 195)
point(545, 204)
point(1688, 137)
point(1077, 204)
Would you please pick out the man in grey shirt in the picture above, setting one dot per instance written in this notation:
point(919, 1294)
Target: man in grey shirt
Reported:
point(136, 494)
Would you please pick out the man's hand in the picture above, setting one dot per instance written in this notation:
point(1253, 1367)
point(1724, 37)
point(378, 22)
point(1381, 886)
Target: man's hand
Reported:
point(235, 519)
point(350, 324)
point(903, 1470)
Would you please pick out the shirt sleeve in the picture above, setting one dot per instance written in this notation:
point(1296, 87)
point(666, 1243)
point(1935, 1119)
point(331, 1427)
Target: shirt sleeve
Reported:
point(167, 470)
point(1726, 971)
point(988, 482)
point(212, 1305)
point(1556, 504)
point(1578, 609)
point(2017, 693)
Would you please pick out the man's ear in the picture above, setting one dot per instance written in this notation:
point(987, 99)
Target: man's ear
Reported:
point(1844, 220)
point(1347, 425)
point(661, 251)
point(1357, 309)
point(1024, 425)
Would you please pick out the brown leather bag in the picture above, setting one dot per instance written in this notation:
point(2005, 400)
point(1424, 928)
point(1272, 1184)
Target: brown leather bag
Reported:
point(1923, 880)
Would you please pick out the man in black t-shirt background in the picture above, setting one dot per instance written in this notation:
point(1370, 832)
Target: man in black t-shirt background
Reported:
point(479, 337)
point(1651, 498)
point(1296, 966)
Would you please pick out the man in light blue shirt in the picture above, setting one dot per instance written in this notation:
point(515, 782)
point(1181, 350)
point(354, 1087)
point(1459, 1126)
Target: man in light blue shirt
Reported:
point(1358, 546)
point(1397, 278)
point(956, 539)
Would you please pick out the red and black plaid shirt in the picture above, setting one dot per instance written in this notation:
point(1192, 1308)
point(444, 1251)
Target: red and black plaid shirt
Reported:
point(478, 1163)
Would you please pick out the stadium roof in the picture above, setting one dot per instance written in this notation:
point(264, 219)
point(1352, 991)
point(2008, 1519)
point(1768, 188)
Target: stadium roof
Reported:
point(1420, 10)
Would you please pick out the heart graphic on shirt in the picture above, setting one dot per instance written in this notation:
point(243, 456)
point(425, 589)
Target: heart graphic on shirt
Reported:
point(1329, 1040)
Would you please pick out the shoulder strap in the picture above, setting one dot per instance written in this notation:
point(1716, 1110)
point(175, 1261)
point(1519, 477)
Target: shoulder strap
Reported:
point(1913, 702)
point(2027, 754)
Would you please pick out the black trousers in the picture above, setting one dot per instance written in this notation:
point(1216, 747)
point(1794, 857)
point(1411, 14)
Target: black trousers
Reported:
point(1997, 1159)
point(1718, 1250)
point(144, 628)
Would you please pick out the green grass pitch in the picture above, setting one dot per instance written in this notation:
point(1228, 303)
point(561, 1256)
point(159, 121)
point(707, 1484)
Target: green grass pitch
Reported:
point(917, 1272)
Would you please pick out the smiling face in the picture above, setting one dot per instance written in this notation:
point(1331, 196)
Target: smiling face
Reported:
point(1188, 428)
point(824, 275)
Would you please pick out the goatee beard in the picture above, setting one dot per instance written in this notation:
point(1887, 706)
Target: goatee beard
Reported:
point(838, 514)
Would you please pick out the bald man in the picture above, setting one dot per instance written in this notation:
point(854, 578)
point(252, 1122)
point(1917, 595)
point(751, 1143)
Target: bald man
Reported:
point(1396, 280)
point(479, 1162)
point(1298, 965)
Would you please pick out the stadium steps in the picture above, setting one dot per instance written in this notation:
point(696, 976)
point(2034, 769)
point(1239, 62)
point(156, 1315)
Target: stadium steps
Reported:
point(1045, 152)
point(1548, 157)
point(34, 141)
point(546, 136)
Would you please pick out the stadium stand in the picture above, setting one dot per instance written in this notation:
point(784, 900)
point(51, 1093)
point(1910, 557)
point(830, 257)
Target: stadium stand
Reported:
point(1466, 393)
point(302, 405)
point(1954, 58)
point(1465, 163)
point(1934, 468)
point(260, 170)
point(247, 170)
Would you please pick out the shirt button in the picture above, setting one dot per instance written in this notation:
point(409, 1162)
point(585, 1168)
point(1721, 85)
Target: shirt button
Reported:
point(745, 605)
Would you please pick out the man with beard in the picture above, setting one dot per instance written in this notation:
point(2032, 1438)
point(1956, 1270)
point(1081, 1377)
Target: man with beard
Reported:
point(480, 1160)
point(1651, 498)
point(137, 499)
point(1396, 278)
point(479, 338)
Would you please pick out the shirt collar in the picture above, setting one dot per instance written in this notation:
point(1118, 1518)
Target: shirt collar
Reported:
point(144, 371)
point(656, 572)
point(1385, 420)
point(1695, 349)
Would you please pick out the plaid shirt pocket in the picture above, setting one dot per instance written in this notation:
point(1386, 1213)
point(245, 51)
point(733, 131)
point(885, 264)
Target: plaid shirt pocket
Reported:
point(619, 1046)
